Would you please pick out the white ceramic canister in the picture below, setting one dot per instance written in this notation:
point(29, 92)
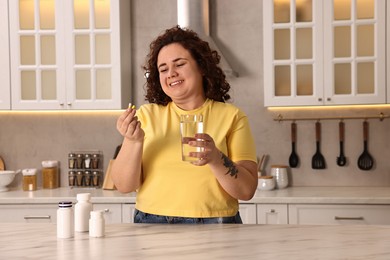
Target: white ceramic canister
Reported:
point(280, 174)
point(82, 210)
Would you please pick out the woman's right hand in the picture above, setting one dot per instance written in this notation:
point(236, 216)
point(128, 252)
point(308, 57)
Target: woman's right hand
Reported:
point(129, 126)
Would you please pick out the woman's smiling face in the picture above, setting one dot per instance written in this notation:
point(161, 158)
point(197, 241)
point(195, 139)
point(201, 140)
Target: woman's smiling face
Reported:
point(180, 76)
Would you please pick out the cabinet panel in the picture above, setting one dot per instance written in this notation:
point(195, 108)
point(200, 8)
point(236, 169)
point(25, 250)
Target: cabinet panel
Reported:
point(324, 52)
point(112, 212)
point(248, 213)
point(339, 214)
point(29, 213)
point(5, 86)
point(272, 214)
point(70, 54)
point(128, 213)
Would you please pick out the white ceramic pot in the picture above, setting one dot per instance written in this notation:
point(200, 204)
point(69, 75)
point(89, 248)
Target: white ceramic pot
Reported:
point(279, 172)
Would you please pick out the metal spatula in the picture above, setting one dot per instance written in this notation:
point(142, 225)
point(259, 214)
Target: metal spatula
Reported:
point(318, 160)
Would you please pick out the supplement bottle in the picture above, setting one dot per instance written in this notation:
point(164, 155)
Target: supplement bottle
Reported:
point(96, 224)
point(65, 219)
point(82, 210)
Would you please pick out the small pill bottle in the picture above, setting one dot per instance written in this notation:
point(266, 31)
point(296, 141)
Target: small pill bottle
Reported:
point(96, 224)
point(50, 176)
point(29, 179)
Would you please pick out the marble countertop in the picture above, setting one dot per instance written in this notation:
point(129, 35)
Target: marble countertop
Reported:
point(221, 241)
point(312, 195)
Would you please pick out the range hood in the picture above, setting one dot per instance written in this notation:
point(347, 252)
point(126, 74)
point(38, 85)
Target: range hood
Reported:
point(194, 14)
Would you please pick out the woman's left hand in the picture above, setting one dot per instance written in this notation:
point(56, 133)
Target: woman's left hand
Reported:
point(209, 152)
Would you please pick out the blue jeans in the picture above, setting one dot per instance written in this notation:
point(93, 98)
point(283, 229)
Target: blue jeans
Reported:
point(142, 217)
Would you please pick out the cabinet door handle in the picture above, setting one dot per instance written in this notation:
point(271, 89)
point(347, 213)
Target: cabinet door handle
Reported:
point(348, 218)
point(37, 217)
point(272, 211)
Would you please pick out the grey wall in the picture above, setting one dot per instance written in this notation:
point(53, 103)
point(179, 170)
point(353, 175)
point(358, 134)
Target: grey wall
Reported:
point(27, 138)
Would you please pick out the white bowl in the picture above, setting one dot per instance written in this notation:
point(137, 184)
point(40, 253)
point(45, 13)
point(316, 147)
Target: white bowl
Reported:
point(266, 183)
point(6, 177)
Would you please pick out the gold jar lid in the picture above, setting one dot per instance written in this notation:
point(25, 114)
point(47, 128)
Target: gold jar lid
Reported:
point(279, 166)
point(266, 177)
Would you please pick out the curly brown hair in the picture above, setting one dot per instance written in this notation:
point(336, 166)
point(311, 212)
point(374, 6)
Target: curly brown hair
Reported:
point(214, 80)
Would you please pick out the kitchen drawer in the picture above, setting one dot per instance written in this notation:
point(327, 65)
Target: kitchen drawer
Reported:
point(128, 213)
point(339, 214)
point(27, 213)
point(272, 214)
point(112, 212)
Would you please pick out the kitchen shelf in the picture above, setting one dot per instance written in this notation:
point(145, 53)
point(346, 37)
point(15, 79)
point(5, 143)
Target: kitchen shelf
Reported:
point(280, 118)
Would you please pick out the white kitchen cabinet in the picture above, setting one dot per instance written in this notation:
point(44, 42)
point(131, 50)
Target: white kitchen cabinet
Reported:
point(272, 214)
point(112, 212)
point(70, 54)
point(308, 214)
point(29, 213)
point(324, 52)
point(5, 90)
point(248, 213)
point(128, 213)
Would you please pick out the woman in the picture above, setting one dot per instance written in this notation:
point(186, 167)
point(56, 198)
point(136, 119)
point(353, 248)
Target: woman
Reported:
point(183, 78)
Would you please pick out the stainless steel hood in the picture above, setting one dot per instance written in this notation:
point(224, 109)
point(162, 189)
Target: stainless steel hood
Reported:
point(194, 14)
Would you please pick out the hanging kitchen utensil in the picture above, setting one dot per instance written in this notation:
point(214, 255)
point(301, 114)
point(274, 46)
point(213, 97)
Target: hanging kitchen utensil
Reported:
point(365, 161)
point(318, 160)
point(260, 165)
point(341, 160)
point(293, 160)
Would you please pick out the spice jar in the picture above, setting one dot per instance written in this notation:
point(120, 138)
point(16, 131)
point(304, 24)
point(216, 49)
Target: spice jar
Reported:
point(72, 161)
point(95, 161)
point(87, 161)
point(29, 179)
point(96, 178)
point(79, 161)
point(79, 178)
point(50, 174)
point(72, 178)
point(87, 178)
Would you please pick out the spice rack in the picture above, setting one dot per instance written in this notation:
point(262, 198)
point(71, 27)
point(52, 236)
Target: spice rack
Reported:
point(85, 169)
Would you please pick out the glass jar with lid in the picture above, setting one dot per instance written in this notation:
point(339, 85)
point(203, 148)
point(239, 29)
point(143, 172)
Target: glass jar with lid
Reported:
point(50, 176)
point(29, 179)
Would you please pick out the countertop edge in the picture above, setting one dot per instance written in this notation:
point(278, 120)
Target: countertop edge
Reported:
point(291, 195)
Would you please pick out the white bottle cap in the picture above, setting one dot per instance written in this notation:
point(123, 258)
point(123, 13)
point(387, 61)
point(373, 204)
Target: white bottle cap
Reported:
point(96, 214)
point(83, 196)
point(29, 172)
point(49, 164)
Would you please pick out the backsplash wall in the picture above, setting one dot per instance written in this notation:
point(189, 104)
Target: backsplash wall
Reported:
point(236, 26)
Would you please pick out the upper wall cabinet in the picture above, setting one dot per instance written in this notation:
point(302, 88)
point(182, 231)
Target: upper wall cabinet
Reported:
point(70, 54)
point(324, 52)
point(5, 96)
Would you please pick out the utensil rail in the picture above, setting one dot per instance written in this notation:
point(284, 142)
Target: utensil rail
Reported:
point(381, 117)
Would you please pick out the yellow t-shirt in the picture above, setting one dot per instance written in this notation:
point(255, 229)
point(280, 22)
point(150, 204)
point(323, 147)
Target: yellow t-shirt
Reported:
point(172, 187)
